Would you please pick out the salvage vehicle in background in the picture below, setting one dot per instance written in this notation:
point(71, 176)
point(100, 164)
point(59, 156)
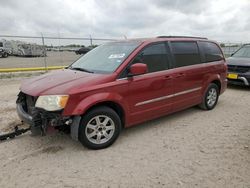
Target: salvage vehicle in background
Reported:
point(30, 50)
point(124, 83)
point(82, 50)
point(20, 48)
point(4, 52)
point(239, 66)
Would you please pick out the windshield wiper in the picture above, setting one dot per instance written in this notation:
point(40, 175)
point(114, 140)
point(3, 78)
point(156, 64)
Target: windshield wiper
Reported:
point(80, 69)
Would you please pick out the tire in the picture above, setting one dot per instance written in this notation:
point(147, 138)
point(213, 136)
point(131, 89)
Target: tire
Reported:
point(210, 97)
point(5, 55)
point(94, 135)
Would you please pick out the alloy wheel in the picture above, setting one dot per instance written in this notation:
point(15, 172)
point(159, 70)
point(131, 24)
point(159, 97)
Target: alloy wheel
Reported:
point(100, 129)
point(211, 97)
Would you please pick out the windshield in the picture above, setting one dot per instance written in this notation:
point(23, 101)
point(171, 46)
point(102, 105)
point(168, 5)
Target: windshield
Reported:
point(105, 58)
point(243, 52)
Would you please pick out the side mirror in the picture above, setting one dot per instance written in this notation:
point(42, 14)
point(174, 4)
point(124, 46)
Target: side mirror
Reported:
point(137, 69)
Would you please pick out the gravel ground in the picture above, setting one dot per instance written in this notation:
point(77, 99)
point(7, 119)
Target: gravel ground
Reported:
point(192, 148)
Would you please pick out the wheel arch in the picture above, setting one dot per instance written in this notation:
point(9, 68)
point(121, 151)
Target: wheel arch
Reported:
point(114, 106)
point(216, 79)
point(111, 100)
point(218, 83)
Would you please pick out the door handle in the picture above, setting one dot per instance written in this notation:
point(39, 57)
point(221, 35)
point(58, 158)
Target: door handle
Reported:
point(179, 75)
point(168, 77)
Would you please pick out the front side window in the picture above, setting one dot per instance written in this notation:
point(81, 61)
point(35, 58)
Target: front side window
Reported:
point(154, 56)
point(243, 52)
point(211, 51)
point(105, 58)
point(185, 53)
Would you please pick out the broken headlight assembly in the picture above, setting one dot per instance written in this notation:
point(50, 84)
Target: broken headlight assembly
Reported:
point(52, 102)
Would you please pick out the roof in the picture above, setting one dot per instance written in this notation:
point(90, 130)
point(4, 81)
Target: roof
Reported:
point(181, 37)
point(163, 38)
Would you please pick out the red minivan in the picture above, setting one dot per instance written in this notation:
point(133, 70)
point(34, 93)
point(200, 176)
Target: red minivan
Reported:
point(121, 84)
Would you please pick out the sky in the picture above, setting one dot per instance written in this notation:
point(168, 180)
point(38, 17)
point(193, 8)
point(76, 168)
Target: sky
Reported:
point(221, 20)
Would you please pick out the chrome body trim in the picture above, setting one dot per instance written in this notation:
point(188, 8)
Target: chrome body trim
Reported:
point(167, 96)
point(122, 79)
point(244, 80)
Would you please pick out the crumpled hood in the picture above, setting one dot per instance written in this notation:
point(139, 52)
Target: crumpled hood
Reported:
point(61, 82)
point(239, 61)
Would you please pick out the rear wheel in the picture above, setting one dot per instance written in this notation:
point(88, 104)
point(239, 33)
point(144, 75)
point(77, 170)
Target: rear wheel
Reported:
point(99, 128)
point(210, 97)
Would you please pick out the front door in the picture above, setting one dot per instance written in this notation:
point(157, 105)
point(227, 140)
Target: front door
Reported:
point(149, 94)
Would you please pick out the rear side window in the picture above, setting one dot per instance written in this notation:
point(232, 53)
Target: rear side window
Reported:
point(154, 56)
point(185, 53)
point(211, 52)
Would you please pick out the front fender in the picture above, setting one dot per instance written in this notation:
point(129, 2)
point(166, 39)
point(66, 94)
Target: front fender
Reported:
point(92, 100)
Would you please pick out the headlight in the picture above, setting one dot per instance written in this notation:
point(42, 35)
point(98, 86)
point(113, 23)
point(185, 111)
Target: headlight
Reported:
point(52, 102)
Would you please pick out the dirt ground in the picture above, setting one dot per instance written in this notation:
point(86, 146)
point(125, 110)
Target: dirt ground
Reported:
point(192, 148)
point(52, 59)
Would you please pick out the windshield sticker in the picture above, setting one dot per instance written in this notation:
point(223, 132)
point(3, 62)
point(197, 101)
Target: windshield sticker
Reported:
point(116, 56)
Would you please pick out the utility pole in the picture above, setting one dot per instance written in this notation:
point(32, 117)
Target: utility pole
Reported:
point(91, 41)
point(44, 52)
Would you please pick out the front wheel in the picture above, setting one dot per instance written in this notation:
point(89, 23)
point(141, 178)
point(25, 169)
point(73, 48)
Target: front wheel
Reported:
point(210, 98)
point(99, 128)
point(5, 55)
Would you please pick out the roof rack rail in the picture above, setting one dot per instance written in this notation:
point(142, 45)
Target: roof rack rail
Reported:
point(181, 37)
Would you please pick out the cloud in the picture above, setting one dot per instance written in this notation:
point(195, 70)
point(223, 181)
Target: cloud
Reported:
point(217, 19)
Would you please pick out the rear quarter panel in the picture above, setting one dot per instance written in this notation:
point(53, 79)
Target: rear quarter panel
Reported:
point(215, 71)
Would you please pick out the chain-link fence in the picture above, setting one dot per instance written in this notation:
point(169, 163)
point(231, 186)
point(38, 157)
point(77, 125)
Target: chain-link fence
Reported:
point(45, 51)
point(229, 48)
point(55, 51)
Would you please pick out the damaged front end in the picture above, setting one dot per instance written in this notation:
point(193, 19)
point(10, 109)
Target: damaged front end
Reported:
point(41, 121)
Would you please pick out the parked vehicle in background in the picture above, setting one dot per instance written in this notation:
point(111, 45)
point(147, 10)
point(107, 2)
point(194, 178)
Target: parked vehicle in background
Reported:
point(82, 50)
point(121, 84)
point(19, 48)
point(4, 50)
point(239, 66)
point(31, 50)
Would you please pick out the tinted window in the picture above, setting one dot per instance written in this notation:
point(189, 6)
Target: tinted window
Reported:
point(185, 53)
point(211, 51)
point(1, 44)
point(155, 57)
